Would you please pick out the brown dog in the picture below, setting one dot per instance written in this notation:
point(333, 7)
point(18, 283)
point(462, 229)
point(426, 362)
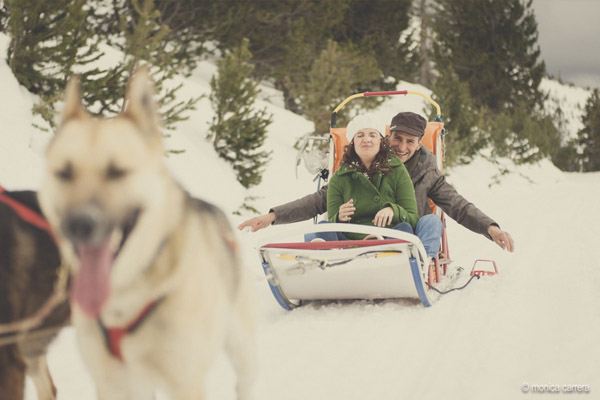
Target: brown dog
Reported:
point(29, 262)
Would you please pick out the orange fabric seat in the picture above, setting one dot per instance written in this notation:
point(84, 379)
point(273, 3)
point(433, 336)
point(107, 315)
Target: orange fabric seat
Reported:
point(433, 130)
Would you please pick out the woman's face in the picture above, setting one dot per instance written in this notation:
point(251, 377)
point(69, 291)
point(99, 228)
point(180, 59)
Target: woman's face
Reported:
point(367, 143)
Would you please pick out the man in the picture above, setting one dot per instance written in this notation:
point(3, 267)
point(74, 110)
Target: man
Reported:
point(406, 137)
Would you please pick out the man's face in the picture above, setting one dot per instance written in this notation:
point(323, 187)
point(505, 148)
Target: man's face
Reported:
point(404, 145)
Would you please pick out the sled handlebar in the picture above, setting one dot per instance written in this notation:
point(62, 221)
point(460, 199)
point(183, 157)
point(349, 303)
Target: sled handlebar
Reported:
point(385, 93)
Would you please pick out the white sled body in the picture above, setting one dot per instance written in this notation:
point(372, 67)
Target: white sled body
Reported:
point(395, 267)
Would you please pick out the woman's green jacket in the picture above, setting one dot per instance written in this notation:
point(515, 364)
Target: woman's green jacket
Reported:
point(394, 189)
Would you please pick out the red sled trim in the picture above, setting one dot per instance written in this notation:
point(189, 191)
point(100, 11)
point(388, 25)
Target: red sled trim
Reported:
point(333, 244)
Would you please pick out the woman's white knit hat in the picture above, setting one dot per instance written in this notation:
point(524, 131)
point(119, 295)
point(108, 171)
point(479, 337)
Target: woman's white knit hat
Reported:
point(362, 122)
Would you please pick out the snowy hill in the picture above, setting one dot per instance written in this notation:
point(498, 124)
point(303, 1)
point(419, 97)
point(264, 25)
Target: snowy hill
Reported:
point(536, 323)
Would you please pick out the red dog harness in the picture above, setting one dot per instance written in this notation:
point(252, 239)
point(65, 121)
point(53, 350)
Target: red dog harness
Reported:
point(26, 214)
point(113, 336)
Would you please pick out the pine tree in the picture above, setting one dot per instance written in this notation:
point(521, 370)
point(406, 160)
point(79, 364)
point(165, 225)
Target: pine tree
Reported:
point(589, 136)
point(3, 17)
point(521, 135)
point(422, 9)
point(375, 28)
point(492, 45)
point(238, 131)
point(49, 40)
point(149, 40)
point(462, 118)
point(287, 35)
point(566, 156)
point(336, 73)
point(284, 35)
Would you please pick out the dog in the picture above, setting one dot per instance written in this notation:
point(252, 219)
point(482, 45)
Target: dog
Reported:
point(157, 289)
point(29, 265)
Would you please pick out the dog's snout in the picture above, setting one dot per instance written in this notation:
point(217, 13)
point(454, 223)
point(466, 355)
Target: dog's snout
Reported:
point(85, 226)
point(80, 227)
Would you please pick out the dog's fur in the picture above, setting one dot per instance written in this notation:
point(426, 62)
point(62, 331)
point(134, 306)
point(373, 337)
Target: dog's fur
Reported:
point(29, 263)
point(107, 187)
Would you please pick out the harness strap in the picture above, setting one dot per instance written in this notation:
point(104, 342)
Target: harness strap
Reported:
point(26, 214)
point(114, 335)
point(454, 288)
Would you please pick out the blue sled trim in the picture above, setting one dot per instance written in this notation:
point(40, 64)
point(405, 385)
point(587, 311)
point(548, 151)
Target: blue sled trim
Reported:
point(414, 267)
point(276, 290)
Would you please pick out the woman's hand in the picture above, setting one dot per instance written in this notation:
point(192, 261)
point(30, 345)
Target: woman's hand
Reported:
point(383, 217)
point(346, 211)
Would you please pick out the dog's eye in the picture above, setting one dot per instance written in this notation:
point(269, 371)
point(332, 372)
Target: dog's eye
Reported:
point(113, 172)
point(66, 173)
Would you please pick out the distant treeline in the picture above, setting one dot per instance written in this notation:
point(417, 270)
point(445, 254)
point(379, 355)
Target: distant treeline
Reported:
point(480, 58)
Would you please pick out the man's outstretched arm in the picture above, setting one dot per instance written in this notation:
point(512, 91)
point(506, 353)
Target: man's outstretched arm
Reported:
point(301, 209)
point(257, 223)
point(466, 213)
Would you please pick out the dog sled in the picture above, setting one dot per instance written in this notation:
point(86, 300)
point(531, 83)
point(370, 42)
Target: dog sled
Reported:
point(389, 265)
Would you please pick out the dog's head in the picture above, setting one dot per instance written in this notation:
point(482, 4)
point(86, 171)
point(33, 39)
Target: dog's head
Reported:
point(101, 175)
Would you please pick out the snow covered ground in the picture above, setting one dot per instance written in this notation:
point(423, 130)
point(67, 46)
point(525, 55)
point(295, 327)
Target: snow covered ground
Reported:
point(536, 323)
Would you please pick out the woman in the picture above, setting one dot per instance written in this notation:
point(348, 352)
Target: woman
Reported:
point(372, 180)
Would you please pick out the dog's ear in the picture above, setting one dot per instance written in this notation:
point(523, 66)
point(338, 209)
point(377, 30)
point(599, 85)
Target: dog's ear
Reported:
point(141, 107)
point(72, 107)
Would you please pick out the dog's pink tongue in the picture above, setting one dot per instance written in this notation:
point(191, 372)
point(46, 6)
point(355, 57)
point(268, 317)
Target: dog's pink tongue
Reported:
point(92, 283)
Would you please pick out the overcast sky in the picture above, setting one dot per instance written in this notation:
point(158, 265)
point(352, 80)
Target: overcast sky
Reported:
point(569, 37)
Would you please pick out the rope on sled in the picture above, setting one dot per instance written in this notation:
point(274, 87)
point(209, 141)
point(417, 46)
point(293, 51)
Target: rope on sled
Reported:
point(326, 264)
point(453, 289)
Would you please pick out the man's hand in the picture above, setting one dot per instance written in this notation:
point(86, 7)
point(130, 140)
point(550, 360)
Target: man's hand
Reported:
point(257, 223)
point(346, 211)
point(502, 238)
point(383, 217)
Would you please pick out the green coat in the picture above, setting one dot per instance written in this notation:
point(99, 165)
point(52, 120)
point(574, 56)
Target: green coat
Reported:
point(395, 190)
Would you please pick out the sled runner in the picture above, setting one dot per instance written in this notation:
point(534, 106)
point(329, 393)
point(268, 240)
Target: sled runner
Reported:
point(391, 264)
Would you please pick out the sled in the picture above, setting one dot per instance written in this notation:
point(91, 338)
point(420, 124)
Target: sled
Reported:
point(393, 265)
